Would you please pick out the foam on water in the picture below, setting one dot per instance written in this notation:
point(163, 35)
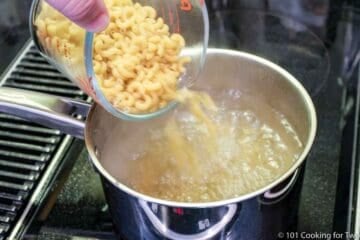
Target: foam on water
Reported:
point(183, 161)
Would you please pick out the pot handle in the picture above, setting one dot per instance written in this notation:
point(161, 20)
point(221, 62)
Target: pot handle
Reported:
point(51, 111)
point(274, 195)
point(207, 234)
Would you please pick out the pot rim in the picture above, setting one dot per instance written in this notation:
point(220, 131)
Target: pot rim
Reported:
point(296, 165)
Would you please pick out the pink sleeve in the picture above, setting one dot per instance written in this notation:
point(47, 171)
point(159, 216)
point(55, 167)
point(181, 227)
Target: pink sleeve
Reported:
point(89, 14)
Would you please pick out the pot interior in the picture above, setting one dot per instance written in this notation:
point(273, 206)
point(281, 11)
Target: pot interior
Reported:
point(254, 81)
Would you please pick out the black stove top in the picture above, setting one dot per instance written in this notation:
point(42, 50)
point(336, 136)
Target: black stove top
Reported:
point(322, 40)
point(14, 29)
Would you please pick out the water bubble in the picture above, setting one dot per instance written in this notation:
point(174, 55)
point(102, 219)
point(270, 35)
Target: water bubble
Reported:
point(234, 93)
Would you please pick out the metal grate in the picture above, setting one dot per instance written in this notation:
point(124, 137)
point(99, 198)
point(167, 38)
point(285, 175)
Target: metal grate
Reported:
point(29, 153)
point(34, 73)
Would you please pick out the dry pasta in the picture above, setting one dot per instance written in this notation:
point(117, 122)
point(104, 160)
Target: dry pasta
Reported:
point(136, 60)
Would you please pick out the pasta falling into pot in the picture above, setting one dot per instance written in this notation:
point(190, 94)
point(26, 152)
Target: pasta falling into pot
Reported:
point(138, 63)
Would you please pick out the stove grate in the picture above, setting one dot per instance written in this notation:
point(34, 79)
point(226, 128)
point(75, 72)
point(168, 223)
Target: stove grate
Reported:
point(29, 153)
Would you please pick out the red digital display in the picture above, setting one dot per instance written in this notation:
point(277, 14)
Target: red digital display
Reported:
point(178, 211)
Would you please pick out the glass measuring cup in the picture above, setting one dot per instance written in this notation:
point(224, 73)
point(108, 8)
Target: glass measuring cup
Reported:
point(71, 48)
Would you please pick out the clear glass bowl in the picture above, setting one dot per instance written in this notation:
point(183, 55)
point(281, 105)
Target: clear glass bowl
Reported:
point(186, 17)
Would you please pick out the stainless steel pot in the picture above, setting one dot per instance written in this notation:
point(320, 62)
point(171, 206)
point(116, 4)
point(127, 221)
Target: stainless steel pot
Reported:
point(137, 216)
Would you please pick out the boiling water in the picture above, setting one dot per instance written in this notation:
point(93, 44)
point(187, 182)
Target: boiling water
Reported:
point(182, 160)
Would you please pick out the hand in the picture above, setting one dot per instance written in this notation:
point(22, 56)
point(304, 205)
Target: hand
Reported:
point(89, 14)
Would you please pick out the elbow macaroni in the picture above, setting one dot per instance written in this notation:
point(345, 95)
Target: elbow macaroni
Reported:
point(136, 60)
